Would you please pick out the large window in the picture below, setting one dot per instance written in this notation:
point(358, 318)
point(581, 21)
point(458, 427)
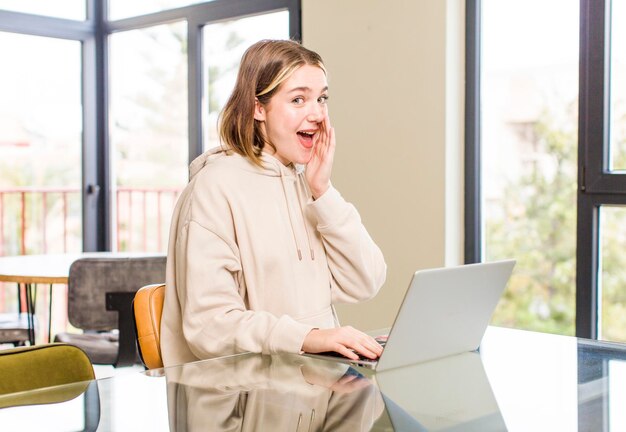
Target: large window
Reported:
point(546, 122)
point(103, 106)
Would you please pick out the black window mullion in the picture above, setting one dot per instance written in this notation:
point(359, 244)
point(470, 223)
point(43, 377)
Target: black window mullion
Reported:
point(95, 169)
point(591, 141)
point(606, 183)
point(36, 25)
point(587, 249)
point(195, 88)
point(473, 226)
point(220, 10)
point(214, 11)
point(295, 20)
point(594, 126)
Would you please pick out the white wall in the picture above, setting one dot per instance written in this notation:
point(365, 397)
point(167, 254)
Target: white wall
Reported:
point(396, 78)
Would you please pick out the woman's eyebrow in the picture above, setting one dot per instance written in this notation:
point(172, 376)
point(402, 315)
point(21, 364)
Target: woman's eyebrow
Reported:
point(305, 89)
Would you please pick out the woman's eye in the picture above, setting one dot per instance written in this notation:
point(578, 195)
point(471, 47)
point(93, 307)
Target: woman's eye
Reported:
point(323, 99)
point(298, 100)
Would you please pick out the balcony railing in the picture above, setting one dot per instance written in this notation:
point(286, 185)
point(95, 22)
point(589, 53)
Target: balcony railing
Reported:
point(143, 218)
point(49, 220)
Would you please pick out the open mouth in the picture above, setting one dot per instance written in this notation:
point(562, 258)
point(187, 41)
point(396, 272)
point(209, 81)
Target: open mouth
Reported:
point(306, 138)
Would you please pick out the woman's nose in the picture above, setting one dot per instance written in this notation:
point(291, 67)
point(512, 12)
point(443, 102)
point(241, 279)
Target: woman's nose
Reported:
point(316, 113)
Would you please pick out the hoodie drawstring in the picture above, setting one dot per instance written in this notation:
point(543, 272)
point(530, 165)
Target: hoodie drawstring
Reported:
point(293, 231)
point(306, 229)
point(291, 222)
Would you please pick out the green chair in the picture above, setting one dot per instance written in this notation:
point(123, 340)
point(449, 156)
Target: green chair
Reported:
point(27, 373)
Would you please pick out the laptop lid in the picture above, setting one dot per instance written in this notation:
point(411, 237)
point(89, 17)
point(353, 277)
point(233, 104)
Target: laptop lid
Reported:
point(445, 311)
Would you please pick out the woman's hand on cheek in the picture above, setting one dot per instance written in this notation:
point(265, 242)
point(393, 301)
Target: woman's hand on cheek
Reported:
point(320, 166)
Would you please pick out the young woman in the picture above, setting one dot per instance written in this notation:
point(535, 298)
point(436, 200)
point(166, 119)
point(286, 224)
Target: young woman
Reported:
point(261, 244)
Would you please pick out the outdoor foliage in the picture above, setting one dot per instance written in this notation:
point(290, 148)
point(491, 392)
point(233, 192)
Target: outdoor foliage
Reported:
point(538, 228)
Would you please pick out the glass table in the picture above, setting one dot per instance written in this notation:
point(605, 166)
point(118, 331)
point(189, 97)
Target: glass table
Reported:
point(519, 381)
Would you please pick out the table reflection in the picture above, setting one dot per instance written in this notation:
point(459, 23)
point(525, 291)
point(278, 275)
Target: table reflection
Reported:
point(601, 386)
point(451, 394)
point(281, 393)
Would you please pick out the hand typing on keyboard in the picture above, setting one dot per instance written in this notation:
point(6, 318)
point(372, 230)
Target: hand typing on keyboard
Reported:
point(347, 341)
point(382, 340)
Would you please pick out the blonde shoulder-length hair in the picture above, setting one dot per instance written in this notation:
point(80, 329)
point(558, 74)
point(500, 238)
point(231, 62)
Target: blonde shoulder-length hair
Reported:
point(264, 67)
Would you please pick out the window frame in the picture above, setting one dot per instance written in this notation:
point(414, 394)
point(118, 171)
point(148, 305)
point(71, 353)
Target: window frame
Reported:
point(597, 185)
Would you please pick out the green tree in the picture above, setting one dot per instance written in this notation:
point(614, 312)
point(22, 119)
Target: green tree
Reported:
point(538, 228)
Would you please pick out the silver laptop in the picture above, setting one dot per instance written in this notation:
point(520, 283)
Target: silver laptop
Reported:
point(445, 311)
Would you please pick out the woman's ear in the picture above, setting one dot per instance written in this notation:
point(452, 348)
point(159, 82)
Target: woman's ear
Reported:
point(259, 110)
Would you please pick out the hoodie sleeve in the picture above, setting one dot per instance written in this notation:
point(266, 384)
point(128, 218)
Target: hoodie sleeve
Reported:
point(356, 264)
point(215, 319)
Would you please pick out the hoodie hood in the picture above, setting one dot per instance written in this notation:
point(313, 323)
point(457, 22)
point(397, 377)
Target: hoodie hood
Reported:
point(201, 161)
point(271, 166)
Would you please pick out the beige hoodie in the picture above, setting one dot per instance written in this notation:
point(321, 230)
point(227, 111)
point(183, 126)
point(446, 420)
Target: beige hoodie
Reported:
point(254, 263)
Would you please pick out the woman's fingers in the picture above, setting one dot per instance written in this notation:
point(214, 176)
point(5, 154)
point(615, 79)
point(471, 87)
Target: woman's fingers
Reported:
point(329, 133)
point(319, 166)
point(331, 140)
point(346, 352)
point(325, 138)
point(347, 341)
point(369, 350)
point(363, 343)
point(357, 341)
point(321, 136)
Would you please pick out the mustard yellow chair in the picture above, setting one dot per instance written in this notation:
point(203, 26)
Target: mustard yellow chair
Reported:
point(38, 367)
point(148, 307)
